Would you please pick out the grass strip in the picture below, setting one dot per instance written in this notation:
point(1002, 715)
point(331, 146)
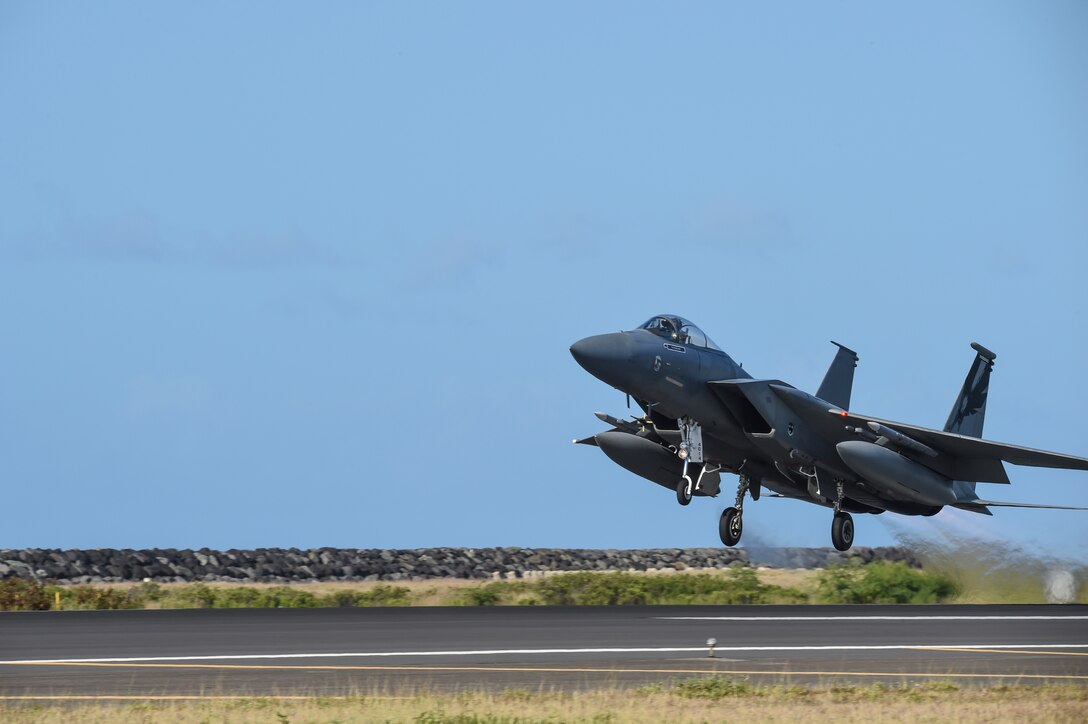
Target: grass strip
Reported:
point(717, 698)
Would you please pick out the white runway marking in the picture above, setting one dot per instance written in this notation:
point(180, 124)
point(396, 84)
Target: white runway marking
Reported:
point(872, 618)
point(499, 652)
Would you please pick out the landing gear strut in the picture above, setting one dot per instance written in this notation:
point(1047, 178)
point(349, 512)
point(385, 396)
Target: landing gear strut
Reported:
point(731, 524)
point(842, 525)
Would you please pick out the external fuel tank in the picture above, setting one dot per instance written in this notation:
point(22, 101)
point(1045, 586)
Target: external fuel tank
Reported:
point(900, 477)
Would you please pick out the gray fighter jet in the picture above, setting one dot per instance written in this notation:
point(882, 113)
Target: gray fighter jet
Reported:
point(703, 415)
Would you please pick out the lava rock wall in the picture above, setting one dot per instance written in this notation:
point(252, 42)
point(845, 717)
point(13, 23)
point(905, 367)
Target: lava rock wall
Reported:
point(291, 565)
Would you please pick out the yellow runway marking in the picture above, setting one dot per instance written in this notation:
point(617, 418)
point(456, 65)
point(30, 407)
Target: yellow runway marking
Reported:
point(558, 670)
point(1005, 651)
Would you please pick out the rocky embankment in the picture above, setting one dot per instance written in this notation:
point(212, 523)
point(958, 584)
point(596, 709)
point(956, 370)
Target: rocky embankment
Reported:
point(289, 565)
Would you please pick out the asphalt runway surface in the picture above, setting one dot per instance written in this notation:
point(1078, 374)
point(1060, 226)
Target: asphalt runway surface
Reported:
point(227, 652)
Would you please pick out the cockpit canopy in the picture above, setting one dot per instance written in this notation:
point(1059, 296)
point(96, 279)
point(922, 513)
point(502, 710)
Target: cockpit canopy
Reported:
point(679, 330)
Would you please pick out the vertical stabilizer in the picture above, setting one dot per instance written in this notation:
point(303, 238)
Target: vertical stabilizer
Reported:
point(839, 380)
point(969, 411)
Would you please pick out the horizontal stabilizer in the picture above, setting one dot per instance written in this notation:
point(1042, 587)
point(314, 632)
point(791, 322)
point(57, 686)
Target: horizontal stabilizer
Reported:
point(994, 504)
point(973, 508)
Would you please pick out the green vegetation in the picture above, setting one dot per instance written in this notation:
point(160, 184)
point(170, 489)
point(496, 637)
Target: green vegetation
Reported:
point(714, 687)
point(494, 594)
point(882, 582)
point(17, 594)
point(733, 687)
point(736, 585)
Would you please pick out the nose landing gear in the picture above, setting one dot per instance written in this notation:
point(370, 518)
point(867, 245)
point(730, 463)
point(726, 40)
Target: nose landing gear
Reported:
point(707, 483)
point(691, 451)
point(683, 488)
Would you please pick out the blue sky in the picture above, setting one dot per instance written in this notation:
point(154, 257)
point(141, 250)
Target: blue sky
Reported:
point(304, 275)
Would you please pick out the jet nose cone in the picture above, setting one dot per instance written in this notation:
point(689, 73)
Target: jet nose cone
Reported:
point(605, 356)
point(584, 350)
point(595, 350)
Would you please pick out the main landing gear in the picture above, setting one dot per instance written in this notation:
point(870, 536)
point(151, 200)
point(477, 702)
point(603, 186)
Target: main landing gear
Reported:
point(842, 531)
point(842, 525)
point(731, 524)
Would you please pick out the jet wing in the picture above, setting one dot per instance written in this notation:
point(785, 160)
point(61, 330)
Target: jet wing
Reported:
point(961, 446)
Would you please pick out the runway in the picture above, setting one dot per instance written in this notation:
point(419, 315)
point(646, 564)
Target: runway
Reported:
point(392, 651)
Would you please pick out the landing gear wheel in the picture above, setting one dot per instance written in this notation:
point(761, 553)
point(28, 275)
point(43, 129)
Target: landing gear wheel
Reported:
point(683, 491)
point(730, 526)
point(842, 531)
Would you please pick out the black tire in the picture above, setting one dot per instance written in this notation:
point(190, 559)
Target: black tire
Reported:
point(682, 496)
point(842, 531)
point(730, 526)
